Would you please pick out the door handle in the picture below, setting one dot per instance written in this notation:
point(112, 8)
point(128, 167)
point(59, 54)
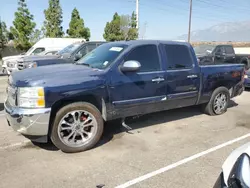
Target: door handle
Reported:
point(192, 76)
point(158, 80)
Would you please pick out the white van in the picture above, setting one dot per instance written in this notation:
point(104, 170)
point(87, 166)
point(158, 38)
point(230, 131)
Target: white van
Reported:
point(46, 44)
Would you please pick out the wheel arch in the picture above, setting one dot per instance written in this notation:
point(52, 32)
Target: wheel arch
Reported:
point(90, 98)
point(246, 62)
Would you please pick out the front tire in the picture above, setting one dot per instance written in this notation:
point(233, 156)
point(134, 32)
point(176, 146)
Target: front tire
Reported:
point(77, 127)
point(218, 102)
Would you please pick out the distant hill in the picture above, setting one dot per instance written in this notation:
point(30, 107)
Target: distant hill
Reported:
point(230, 31)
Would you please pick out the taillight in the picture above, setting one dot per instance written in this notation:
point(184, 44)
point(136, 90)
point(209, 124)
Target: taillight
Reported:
point(244, 75)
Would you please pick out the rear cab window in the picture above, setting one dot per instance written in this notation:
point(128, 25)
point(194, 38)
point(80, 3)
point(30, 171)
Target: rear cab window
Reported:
point(178, 57)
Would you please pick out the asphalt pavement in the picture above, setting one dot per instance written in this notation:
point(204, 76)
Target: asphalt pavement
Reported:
point(177, 148)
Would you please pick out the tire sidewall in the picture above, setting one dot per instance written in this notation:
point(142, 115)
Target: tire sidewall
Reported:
point(72, 107)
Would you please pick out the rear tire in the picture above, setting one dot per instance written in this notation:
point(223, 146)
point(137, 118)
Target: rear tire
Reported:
point(70, 133)
point(218, 102)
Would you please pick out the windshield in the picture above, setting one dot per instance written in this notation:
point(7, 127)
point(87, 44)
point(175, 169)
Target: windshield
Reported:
point(69, 49)
point(203, 49)
point(102, 56)
point(29, 51)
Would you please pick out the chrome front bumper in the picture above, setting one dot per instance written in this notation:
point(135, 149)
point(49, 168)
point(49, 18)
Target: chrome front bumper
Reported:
point(31, 122)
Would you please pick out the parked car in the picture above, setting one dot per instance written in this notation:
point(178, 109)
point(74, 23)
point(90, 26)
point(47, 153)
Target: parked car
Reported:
point(236, 169)
point(70, 54)
point(220, 54)
point(45, 44)
point(69, 103)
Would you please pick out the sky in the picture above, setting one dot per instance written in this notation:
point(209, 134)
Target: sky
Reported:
point(159, 19)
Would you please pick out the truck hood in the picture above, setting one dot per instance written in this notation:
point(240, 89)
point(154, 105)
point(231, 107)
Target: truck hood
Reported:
point(12, 57)
point(37, 57)
point(55, 75)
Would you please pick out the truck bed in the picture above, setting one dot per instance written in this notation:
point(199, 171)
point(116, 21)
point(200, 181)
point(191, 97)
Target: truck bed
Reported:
point(230, 76)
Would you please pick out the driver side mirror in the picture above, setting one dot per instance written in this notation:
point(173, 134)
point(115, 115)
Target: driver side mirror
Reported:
point(240, 174)
point(77, 57)
point(130, 66)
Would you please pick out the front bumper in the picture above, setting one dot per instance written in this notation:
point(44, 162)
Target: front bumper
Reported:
point(30, 122)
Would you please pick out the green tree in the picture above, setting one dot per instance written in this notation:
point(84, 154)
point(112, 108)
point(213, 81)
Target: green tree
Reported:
point(133, 31)
point(36, 36)
point(112, 31)
point(121, 28)
point(76, 26)
point(23, 26)
point(4, 34)
point(53, 20)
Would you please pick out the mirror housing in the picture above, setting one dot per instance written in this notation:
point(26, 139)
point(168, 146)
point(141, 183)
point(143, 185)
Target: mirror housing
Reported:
point(130, 66)
point(240, 174)
point(77, 57)
point(208, 51)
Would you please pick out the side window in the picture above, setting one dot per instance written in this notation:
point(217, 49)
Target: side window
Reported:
point(147, 56)
point(51, 53)
point(219, 50)
point(91, 47)
point(229, 50)
point(178, 57)
point(38, 50)
point(83, 51)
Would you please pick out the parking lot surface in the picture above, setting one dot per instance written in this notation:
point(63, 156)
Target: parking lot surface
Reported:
point(160, 141)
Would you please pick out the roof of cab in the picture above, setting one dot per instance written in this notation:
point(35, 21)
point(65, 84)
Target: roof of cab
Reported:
point(140, 42)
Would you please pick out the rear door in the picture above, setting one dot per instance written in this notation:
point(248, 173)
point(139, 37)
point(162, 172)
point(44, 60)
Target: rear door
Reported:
point(139, 92)
point(183, 76)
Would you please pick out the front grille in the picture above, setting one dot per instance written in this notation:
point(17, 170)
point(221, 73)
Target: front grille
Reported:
point(20, 65)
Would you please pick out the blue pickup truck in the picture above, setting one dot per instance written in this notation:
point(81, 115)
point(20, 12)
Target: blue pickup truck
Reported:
point(69, 103)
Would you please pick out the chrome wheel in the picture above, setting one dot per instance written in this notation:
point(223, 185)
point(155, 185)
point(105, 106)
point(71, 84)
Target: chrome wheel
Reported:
point(77, 128)
point(220, 103)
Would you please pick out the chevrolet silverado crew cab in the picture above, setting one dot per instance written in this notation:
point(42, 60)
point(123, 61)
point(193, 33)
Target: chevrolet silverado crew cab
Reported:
point(69, 103)
point(69, 54)
point(220, 54)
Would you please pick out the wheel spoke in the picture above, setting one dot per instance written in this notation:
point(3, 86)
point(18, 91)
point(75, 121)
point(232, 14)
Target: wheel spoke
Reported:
point(86, 124)
point(67, 123)
point(74, 116)
point(70, 134)
point(87, 133)
point(82, 136)
point(74, 136)
point(86, 120)
point(66, 128)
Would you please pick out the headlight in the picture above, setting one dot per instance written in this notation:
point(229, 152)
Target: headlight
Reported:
point(246, 76)
point(30, 64)
point(31, 97)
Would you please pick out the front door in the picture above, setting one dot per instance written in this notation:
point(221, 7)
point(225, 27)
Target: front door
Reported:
point(139, 92)
point(219, 55)
point(183, 78)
